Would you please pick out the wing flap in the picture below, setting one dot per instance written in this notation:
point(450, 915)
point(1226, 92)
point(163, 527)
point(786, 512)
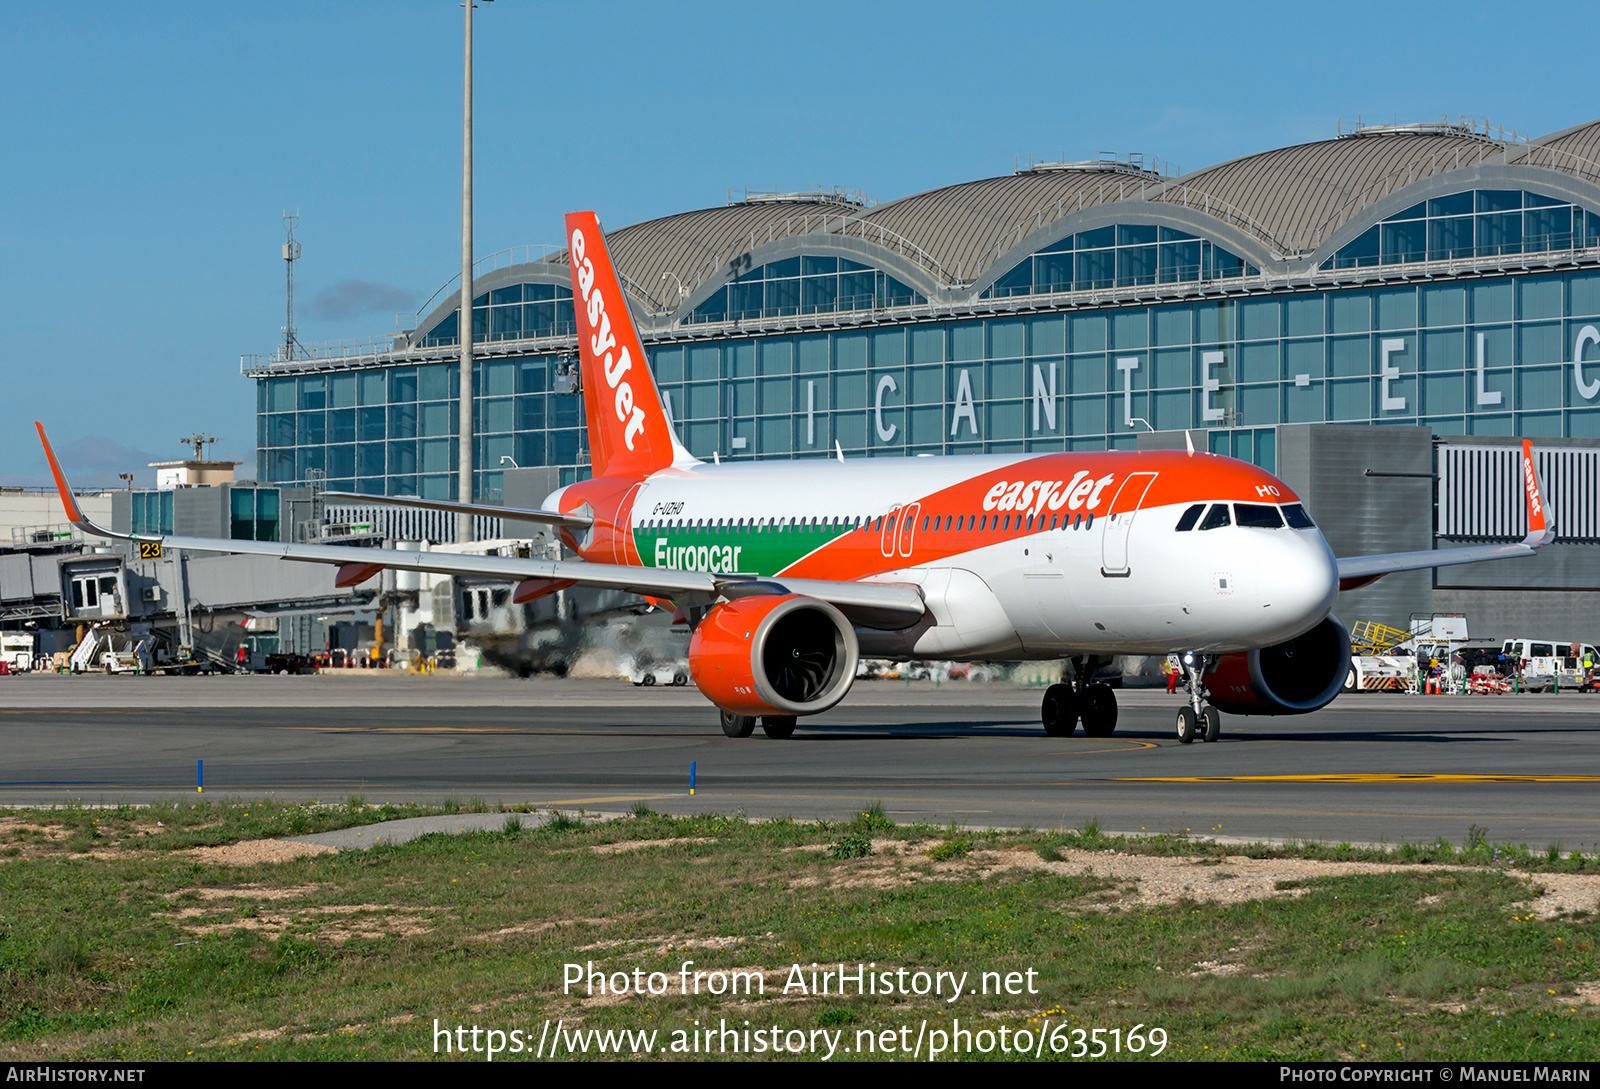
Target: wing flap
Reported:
point(515, 514)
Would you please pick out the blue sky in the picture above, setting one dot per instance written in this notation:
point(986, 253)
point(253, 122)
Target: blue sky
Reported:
point(148, 151)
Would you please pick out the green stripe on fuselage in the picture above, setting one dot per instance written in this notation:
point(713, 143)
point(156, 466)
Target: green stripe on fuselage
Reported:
point(726, 551)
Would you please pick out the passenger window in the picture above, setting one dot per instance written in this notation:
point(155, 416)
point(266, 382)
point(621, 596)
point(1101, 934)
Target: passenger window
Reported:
point(1190, 517)
point(1216, 517)
point(1258, 516)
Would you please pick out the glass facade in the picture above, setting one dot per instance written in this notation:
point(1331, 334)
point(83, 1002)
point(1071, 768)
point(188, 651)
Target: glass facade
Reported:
point(152, 512)
point(253, 513)
point(1476, 223)
point(1124, 255)
point(393, 431)
point(1507, 354)
point(1496, 356)
point(518, 312)
point(804, 285)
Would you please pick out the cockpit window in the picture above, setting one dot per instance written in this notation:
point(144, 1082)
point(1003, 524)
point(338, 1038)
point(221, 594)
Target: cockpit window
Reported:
point(1297, 517)
point(1216, 517)
point(1258, 516)
point(1190, 517)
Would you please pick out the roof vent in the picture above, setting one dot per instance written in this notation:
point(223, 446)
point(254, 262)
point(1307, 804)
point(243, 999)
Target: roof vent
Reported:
point(1109, 162)
point(1471, 128)
point(837, 196)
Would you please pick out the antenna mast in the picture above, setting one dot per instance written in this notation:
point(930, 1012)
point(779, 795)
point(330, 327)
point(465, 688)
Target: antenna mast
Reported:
point(199, 440)
point(291, 254)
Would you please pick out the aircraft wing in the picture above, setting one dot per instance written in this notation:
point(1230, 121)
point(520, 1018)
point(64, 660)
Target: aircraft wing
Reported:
point(878, 605)
point(1358, 571)
point(515, 514)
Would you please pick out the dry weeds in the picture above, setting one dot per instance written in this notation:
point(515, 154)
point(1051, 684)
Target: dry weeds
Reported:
point(1156, 880)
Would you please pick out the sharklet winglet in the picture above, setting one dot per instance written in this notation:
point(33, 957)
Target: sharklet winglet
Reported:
point(69, 501)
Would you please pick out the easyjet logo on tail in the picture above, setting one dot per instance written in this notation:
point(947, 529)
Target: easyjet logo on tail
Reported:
point(1530, 481)
point(603, 342)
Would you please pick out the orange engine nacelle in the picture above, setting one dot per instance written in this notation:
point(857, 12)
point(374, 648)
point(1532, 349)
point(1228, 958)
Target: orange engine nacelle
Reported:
point(774, 655)
point(1292, 678)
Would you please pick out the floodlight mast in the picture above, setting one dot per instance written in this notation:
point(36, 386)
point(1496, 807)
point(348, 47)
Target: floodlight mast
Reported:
point(464, 479)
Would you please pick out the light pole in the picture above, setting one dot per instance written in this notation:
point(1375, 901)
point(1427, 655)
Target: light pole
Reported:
point(464, 488)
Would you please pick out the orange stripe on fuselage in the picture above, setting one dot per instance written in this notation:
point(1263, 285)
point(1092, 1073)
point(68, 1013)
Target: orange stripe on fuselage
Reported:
point(1077, 484)
point(1068, 486)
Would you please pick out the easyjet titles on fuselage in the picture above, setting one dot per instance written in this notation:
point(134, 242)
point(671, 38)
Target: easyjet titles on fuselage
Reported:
point(1080, 491)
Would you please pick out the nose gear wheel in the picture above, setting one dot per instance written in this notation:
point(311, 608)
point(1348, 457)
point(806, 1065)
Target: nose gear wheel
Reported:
point(1198, 721)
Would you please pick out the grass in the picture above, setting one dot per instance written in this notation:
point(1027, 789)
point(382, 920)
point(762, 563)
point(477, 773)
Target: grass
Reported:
point(117, 942)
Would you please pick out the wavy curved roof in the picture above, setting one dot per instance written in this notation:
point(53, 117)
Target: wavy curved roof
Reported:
point(1575, 151)
point(1294, 198)
point(693, 246)
point(1290, 200)
point(964, 227)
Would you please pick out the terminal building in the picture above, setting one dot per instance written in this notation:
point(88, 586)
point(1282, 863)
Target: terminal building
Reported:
point(1376, 317)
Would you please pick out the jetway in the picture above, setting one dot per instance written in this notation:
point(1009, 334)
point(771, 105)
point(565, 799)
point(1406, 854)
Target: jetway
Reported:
point(176, 606)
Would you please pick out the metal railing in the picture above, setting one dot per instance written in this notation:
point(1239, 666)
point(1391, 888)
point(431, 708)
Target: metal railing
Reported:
point(54, 533)
point(351, 352)
point(848, 225)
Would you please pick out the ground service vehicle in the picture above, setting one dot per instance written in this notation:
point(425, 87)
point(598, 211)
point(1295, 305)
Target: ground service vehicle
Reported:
point(788, 571)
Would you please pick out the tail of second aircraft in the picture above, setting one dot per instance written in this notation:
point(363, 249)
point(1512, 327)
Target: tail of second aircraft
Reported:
point(629, 434)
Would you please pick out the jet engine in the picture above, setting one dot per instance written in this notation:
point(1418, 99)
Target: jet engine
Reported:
point(774, 654)
point(1290, 678)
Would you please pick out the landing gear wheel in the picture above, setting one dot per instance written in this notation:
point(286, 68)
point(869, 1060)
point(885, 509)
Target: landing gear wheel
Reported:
point(1210, 724)
point(1059, 711)
point(1186, 725)
point(778, 727)
point(738, 725)
point(1099, 710)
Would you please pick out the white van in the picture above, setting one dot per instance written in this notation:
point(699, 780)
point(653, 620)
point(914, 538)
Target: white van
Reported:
point(17, 651)
point(1546, 660)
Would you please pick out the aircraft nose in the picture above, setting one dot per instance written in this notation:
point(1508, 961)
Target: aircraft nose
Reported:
point(1297, 579)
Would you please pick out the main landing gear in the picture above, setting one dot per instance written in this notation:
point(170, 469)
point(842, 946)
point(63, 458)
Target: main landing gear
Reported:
point(1197, 720)
point(776, 727)
point(1064, 704)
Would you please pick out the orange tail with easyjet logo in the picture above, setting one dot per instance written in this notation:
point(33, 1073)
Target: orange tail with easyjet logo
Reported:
point(629, 435)
point(1541, 518)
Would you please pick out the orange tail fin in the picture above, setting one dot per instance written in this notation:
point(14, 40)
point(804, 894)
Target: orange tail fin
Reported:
point(1541, 519)
point(629, 435)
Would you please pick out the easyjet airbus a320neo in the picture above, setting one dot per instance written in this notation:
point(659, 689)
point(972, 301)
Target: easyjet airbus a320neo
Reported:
point(789, 571)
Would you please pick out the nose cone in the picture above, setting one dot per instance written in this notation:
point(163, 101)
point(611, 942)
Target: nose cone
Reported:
point(1297, 580)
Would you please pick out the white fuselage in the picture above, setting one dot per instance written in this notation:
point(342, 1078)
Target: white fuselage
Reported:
point(1101, 583)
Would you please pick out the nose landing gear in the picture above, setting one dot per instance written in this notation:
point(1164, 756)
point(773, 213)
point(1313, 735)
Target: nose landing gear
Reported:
point(1197, 720)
